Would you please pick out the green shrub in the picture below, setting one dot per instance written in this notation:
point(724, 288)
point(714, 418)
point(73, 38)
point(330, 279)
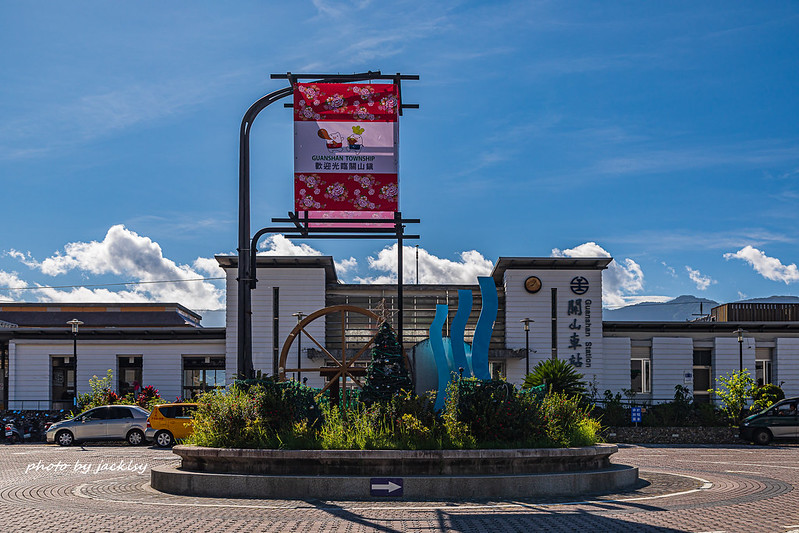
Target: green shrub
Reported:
point(613, 412)
point(766, 396)
point(490, 414)
point(563, 417)
point(557, 375)
point(735, 388)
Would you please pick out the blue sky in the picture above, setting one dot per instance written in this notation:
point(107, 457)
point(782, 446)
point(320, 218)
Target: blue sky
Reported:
point(663, 134)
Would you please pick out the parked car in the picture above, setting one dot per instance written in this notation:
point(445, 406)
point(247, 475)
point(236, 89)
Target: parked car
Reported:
point(109, 422)
point(778, 421)
point(170, 421)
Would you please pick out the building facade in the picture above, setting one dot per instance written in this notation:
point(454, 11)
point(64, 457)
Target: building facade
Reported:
point(558, 299)
point(45, 364)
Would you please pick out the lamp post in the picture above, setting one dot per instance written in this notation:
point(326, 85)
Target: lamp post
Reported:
point(75, 323)
point(300, 315)
point(526, 322)
point(740, 332)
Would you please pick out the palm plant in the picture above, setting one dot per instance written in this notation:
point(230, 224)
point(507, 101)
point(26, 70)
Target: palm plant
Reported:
point(557, 375)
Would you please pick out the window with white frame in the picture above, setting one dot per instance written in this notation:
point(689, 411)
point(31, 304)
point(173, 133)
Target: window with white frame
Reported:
point(763, 358)
point(641, 375)
point(702, 368)
point(497, 369)
point(762, 372)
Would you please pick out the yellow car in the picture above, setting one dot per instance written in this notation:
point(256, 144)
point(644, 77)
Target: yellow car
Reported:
point(170, 421)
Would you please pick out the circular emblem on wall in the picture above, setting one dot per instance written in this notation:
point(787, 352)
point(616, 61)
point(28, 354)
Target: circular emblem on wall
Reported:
point(579, 285)
point(532, 284)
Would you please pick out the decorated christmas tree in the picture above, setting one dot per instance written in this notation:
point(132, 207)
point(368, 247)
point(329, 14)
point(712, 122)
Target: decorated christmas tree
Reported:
point(387, 374)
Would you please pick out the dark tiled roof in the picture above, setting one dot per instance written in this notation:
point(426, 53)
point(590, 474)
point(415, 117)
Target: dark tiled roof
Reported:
point(26, 315)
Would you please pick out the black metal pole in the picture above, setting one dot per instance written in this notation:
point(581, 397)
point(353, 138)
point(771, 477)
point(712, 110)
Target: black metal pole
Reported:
point(74, 358)
point(245, 274)
point(740, 354)
point(400, 306)
point(527, 349)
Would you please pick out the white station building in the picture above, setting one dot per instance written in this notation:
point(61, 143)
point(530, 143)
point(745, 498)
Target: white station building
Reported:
point(560, 299)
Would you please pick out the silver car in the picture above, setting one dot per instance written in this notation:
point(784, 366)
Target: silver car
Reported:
point(109, 422)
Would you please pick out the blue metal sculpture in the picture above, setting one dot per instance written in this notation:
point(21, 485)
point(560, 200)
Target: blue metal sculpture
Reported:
point(485, 327)
point(440, 355)
point(457, 331)
point(439, 359)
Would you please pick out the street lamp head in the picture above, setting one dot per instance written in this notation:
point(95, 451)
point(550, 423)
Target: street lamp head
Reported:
point(740, 332)
point(526, 322)
point(300, 315)
point(75, 323)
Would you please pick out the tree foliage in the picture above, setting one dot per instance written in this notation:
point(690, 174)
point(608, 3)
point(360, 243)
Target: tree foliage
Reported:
point(735, 389)
point(387, 375)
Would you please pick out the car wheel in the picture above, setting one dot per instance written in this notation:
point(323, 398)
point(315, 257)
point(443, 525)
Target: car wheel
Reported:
point(135, 437)
point(762, 437)
point(64, 438)
point(164, 439)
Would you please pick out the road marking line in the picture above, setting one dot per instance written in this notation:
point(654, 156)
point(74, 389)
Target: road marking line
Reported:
point(78, 491)
point(742, 472)
point(737, 463)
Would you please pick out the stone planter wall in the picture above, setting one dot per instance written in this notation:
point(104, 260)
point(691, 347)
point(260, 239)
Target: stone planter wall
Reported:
point(394, 462)
point(672, 435)
point(406, 474)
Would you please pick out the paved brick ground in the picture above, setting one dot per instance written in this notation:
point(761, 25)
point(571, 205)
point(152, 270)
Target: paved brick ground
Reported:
point(693, 489)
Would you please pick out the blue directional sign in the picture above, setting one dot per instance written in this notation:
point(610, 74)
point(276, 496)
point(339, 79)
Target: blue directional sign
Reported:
point(635, 413)
point(386, 486)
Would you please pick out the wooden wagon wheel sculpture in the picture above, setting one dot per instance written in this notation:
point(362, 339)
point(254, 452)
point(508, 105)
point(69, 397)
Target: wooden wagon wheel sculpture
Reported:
point(343, 367)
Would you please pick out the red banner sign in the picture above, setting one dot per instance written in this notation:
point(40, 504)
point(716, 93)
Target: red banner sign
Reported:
point(345, 148)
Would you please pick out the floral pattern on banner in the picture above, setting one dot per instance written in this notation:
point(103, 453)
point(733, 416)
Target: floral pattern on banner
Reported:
point(307, 186)
point(341, 192)
point(344, 102)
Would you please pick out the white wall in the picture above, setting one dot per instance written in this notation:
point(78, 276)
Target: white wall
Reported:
point(786, 366)
point(726, 357)
point(162, 362)
point(617, 364)
point(672, 357)
point(300, 290)
point(520, 304)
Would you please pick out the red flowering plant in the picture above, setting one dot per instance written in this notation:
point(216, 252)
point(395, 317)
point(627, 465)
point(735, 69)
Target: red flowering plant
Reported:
point(149, 398)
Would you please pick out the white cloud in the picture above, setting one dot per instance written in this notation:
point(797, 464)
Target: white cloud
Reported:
point(669, 269)
point(702, 282)
point(280, 245)
point(209, 266)
point(10, 280)
point(768, 267)
point(346, 265)
point(620, 281)
point(632, 300)
point(432, 269)
point(124, 253)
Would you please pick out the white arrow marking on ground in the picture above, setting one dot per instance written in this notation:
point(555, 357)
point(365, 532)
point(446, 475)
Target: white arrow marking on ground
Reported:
point(390, 487)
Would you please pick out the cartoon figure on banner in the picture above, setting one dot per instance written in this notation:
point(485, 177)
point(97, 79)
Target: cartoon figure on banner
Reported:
point(354, 139)
point(333, 141)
